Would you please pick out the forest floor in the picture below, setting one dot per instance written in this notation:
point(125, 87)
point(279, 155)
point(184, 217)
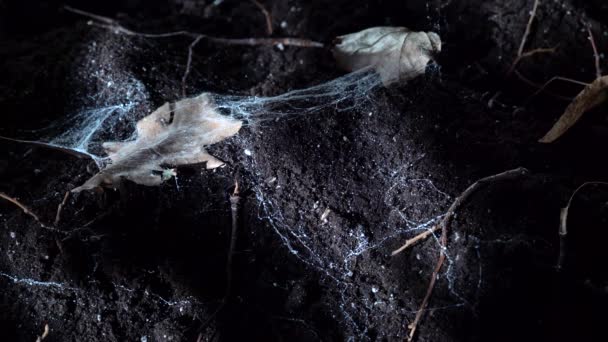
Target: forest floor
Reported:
point(324, 197)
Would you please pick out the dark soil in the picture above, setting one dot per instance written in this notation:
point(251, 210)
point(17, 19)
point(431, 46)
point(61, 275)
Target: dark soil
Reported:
point(149, 264)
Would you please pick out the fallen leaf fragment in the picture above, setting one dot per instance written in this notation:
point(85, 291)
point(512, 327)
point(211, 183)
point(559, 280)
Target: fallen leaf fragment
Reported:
point(396, 53)
point(174, 134)
point(591, 96)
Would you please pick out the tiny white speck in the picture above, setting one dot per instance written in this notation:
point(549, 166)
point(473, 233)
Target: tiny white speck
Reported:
point(143, 339)
point(283, 24)
point(248, 152)
point(98, 318)
point(280, 46)
point(374, 289)
point(13, 235)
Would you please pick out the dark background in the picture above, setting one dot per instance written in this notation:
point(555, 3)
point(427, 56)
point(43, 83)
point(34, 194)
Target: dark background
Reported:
point(143, 263)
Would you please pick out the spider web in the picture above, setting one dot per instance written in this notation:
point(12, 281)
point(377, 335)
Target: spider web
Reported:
point(122, 99)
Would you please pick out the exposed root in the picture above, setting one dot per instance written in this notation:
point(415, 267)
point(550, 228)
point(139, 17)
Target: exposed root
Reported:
point(444, 226)
point(25, 209)
point(267, 16)
point(115, 26)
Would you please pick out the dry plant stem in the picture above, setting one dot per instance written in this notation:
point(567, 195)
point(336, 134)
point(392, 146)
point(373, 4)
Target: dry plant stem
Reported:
point(267, 16)
point(115, 26)
point(60, 207)
point(563, 226)
point(444, 226)
point(524, 39)
point(25, 209)
point(596, 56)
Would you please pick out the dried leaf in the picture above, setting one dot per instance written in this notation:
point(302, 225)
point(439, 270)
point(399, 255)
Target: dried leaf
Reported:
point(174, 134)
point(396, 53)
point(591, 96)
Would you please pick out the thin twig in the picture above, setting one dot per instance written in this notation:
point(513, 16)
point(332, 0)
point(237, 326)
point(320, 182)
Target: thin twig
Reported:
point(524, 39)
point(541, 88)
point(529, 54)
point(60, 207)
point(563, 224)
point(596, 56)
point(444, 226)
point(416, 238)
point(115, 26)
point(267, 16)
point(25, 209)
point(189, 63)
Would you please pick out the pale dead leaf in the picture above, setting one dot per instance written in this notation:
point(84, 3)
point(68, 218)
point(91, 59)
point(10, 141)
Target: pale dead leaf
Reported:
point(396, 53)
point(591, 96)
point(174, 134)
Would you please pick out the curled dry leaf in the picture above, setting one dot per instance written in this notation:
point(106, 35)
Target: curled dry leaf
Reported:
point(396, 53)
point(174, 134)
point(591, 96)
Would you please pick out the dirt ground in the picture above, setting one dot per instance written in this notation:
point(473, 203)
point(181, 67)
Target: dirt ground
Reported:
point(325, 197)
